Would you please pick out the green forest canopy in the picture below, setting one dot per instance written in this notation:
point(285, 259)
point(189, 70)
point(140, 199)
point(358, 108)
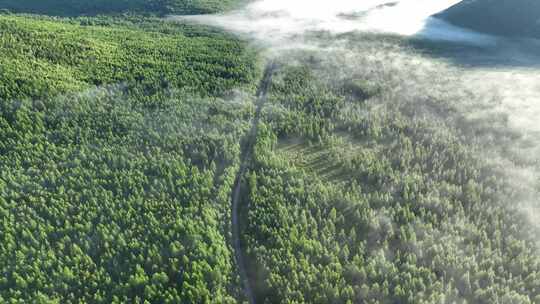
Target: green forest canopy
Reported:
point(355, 198)
point(117, 158)
point(43, 58)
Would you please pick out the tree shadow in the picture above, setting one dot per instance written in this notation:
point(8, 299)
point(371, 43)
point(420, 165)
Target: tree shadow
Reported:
point(69, 8)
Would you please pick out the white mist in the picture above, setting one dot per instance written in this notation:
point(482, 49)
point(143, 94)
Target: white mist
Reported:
point(276, 20)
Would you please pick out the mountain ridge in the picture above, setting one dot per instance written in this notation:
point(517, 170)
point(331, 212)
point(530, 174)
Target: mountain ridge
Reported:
point(513, 18)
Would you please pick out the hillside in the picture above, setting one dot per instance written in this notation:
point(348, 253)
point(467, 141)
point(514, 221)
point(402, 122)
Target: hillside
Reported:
point(118, 150)
point(95, 7)
point(44, 58)
point(518, 18)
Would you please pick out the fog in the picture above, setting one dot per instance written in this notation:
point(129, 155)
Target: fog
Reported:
point(274, 21)
point(497, 79)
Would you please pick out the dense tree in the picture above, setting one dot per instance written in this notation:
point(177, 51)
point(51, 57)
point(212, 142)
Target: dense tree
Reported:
point(43, 58)
point(105, 200)
point(117, 160)
point(353, 198)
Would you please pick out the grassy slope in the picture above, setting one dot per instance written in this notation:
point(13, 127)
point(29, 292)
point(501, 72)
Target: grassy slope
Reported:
point(502, 17)
point(116, 160)
point(94, 7)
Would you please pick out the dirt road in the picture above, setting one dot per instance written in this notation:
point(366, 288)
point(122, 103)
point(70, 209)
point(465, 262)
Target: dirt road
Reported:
point(245, 159)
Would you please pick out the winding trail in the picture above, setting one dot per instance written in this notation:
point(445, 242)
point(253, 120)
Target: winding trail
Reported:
point(245, 158)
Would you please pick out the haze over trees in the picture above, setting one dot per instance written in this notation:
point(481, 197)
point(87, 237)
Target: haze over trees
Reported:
point(357, 198)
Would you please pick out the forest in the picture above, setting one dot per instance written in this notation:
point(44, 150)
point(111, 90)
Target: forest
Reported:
point(355, 197)
point(44, 58)
point(123, 137)
point(119, 144)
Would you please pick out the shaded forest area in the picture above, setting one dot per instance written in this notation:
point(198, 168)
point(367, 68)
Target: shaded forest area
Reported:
point(98, 7)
